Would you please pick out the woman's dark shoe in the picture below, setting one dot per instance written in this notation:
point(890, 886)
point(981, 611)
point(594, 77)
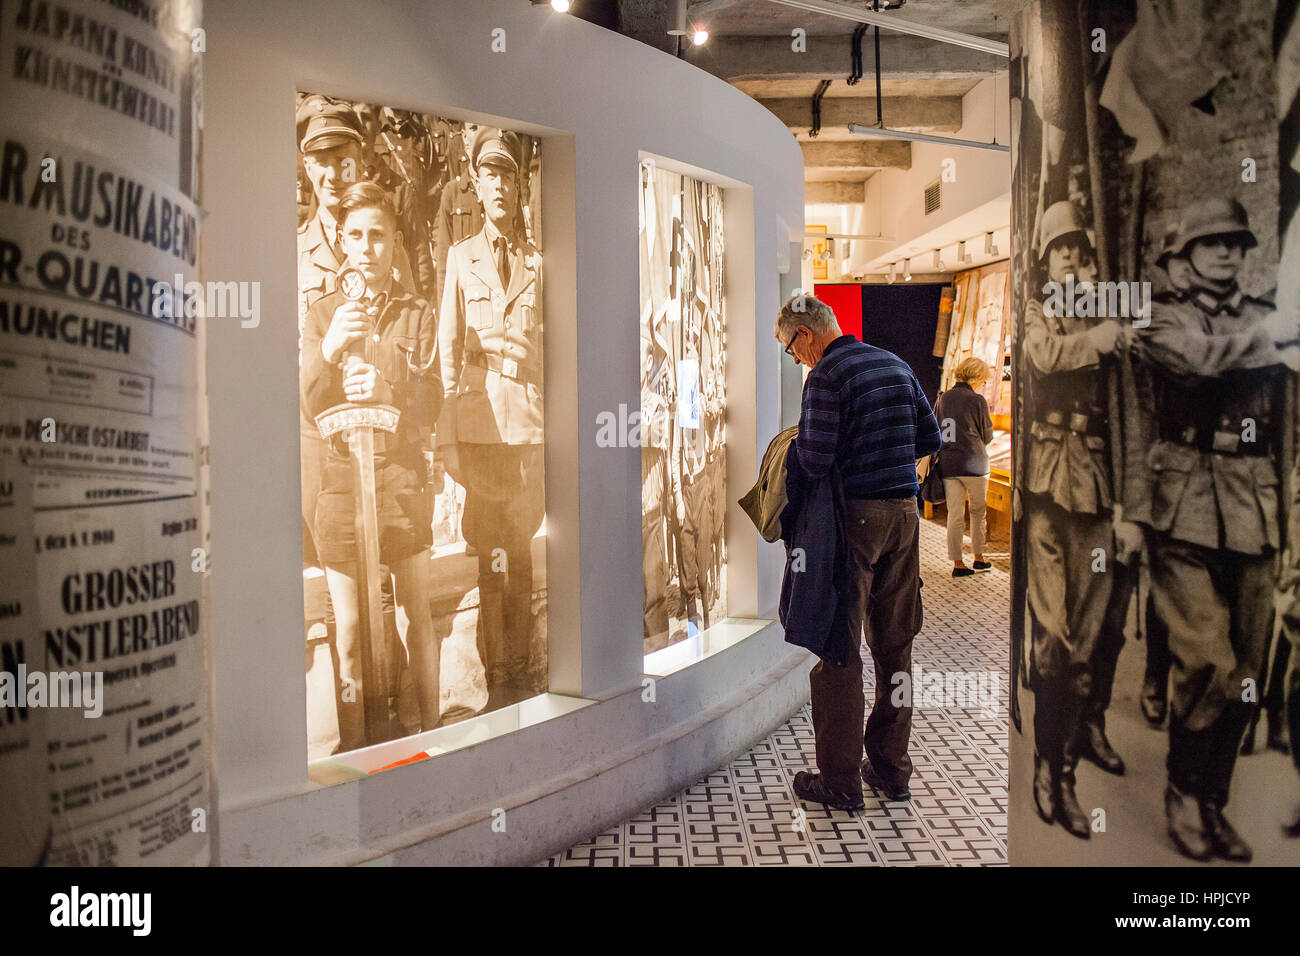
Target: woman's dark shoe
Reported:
point(811, 786)
point(962, 572)
point(982, 566)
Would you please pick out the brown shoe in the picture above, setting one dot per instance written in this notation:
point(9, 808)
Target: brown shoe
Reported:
point(891, 791)
point(812, 787)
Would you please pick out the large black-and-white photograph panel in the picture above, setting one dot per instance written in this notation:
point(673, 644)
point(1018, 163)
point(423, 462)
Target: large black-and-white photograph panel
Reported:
point(1155, 427)
point(683, 405)
point(423, 495)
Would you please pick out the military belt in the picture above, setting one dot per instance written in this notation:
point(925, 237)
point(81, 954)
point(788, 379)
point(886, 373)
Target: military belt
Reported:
point(1216, 441)
point(1077, 422)
point(506, 367)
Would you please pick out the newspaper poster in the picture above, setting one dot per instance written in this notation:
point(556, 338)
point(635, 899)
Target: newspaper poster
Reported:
point(104, 656)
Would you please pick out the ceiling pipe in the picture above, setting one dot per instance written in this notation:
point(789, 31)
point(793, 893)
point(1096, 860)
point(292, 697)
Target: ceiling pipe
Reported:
point(889, 22)
point(857, 129)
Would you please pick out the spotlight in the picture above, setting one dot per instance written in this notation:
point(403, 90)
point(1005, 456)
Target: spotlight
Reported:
point(990, 247)
point(700, 38)
point(938, 261)
point(961, 252)
point(891, 273)
point(830, 247)
point(907, 270)
point(560, 6)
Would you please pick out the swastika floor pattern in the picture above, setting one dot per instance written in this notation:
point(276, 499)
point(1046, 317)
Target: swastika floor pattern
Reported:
point(746, 814)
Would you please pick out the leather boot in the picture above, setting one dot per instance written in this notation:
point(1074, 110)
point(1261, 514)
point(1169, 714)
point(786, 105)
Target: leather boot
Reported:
point(1278, 738)
point(1093, 745)
point(1226, 841)
point(1068, 812)
point(1186, 824)
point(1043, 787)
point(491, 626)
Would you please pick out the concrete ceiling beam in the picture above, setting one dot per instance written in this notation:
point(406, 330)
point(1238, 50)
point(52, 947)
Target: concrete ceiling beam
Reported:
point(922, 114)
point(858, 154)
point(834, 193)
point(740, 57)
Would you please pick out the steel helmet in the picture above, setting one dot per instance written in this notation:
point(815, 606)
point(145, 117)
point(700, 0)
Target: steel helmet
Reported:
point(1213, 217)
point(1061, 219)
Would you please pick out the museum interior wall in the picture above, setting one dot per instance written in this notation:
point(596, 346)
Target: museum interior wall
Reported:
point(585, 108)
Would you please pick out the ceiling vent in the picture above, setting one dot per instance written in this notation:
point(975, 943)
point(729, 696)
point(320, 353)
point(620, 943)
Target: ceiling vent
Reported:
point(933, 197)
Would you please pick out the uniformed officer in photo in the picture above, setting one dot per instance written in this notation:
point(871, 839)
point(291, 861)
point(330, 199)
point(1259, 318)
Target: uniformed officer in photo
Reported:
point(490, 432)
point(1217, 359)
point(1068, 516)
point(460, 214)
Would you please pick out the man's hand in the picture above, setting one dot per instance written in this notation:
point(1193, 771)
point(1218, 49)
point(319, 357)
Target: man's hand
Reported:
point(348, 325)
point(1103, 337)
point(1128, 540)
point(363, 383)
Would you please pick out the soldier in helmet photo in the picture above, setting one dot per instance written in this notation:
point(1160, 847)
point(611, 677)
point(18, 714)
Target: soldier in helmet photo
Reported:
point(1069, 518)
point(490, 432)
point(1216, 358)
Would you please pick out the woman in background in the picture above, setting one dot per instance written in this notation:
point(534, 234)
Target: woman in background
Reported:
point(966, 428)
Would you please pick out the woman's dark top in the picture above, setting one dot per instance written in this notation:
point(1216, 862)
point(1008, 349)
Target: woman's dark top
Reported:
point(971, 429)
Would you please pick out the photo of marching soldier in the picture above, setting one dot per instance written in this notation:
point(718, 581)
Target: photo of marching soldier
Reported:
point(683, 403)
point(1154, 436)
point(419, 318)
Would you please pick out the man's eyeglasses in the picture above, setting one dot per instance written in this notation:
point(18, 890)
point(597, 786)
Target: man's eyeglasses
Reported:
point(790, 345)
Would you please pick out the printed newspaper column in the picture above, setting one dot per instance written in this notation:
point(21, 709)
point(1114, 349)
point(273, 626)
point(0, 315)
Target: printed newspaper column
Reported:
point(100, 322)
point(25, 822)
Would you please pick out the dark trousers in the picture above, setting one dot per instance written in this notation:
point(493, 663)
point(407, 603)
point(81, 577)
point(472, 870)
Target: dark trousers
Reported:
point(1158, 660)
point(1068, 605)
point(1111, 639)
point(886, 604)
point(504, 505)
point(1217, 605)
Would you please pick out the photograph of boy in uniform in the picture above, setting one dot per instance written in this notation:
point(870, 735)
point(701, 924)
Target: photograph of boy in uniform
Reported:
point(381, 350)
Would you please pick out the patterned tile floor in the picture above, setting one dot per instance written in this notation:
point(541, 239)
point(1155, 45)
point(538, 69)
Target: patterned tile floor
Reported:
point(745, 814)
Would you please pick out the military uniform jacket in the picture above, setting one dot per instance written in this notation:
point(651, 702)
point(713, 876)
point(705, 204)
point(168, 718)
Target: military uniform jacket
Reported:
point(403, 346)
point(1068, 455)
point(318, 268)
point(1210, 366)
point(490, 338)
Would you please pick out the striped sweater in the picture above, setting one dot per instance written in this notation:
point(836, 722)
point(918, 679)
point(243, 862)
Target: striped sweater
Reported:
point(864, 412)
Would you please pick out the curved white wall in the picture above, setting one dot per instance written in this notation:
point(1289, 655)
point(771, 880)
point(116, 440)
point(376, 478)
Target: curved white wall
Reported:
point(598, 99)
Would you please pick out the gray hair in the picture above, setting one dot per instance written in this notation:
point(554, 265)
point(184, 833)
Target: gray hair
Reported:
point(806, 310)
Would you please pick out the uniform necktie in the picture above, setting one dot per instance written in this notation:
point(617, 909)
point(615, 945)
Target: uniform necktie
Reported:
point(503, 262)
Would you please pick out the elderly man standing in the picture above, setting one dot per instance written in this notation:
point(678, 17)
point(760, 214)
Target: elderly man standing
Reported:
point(865, 419)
